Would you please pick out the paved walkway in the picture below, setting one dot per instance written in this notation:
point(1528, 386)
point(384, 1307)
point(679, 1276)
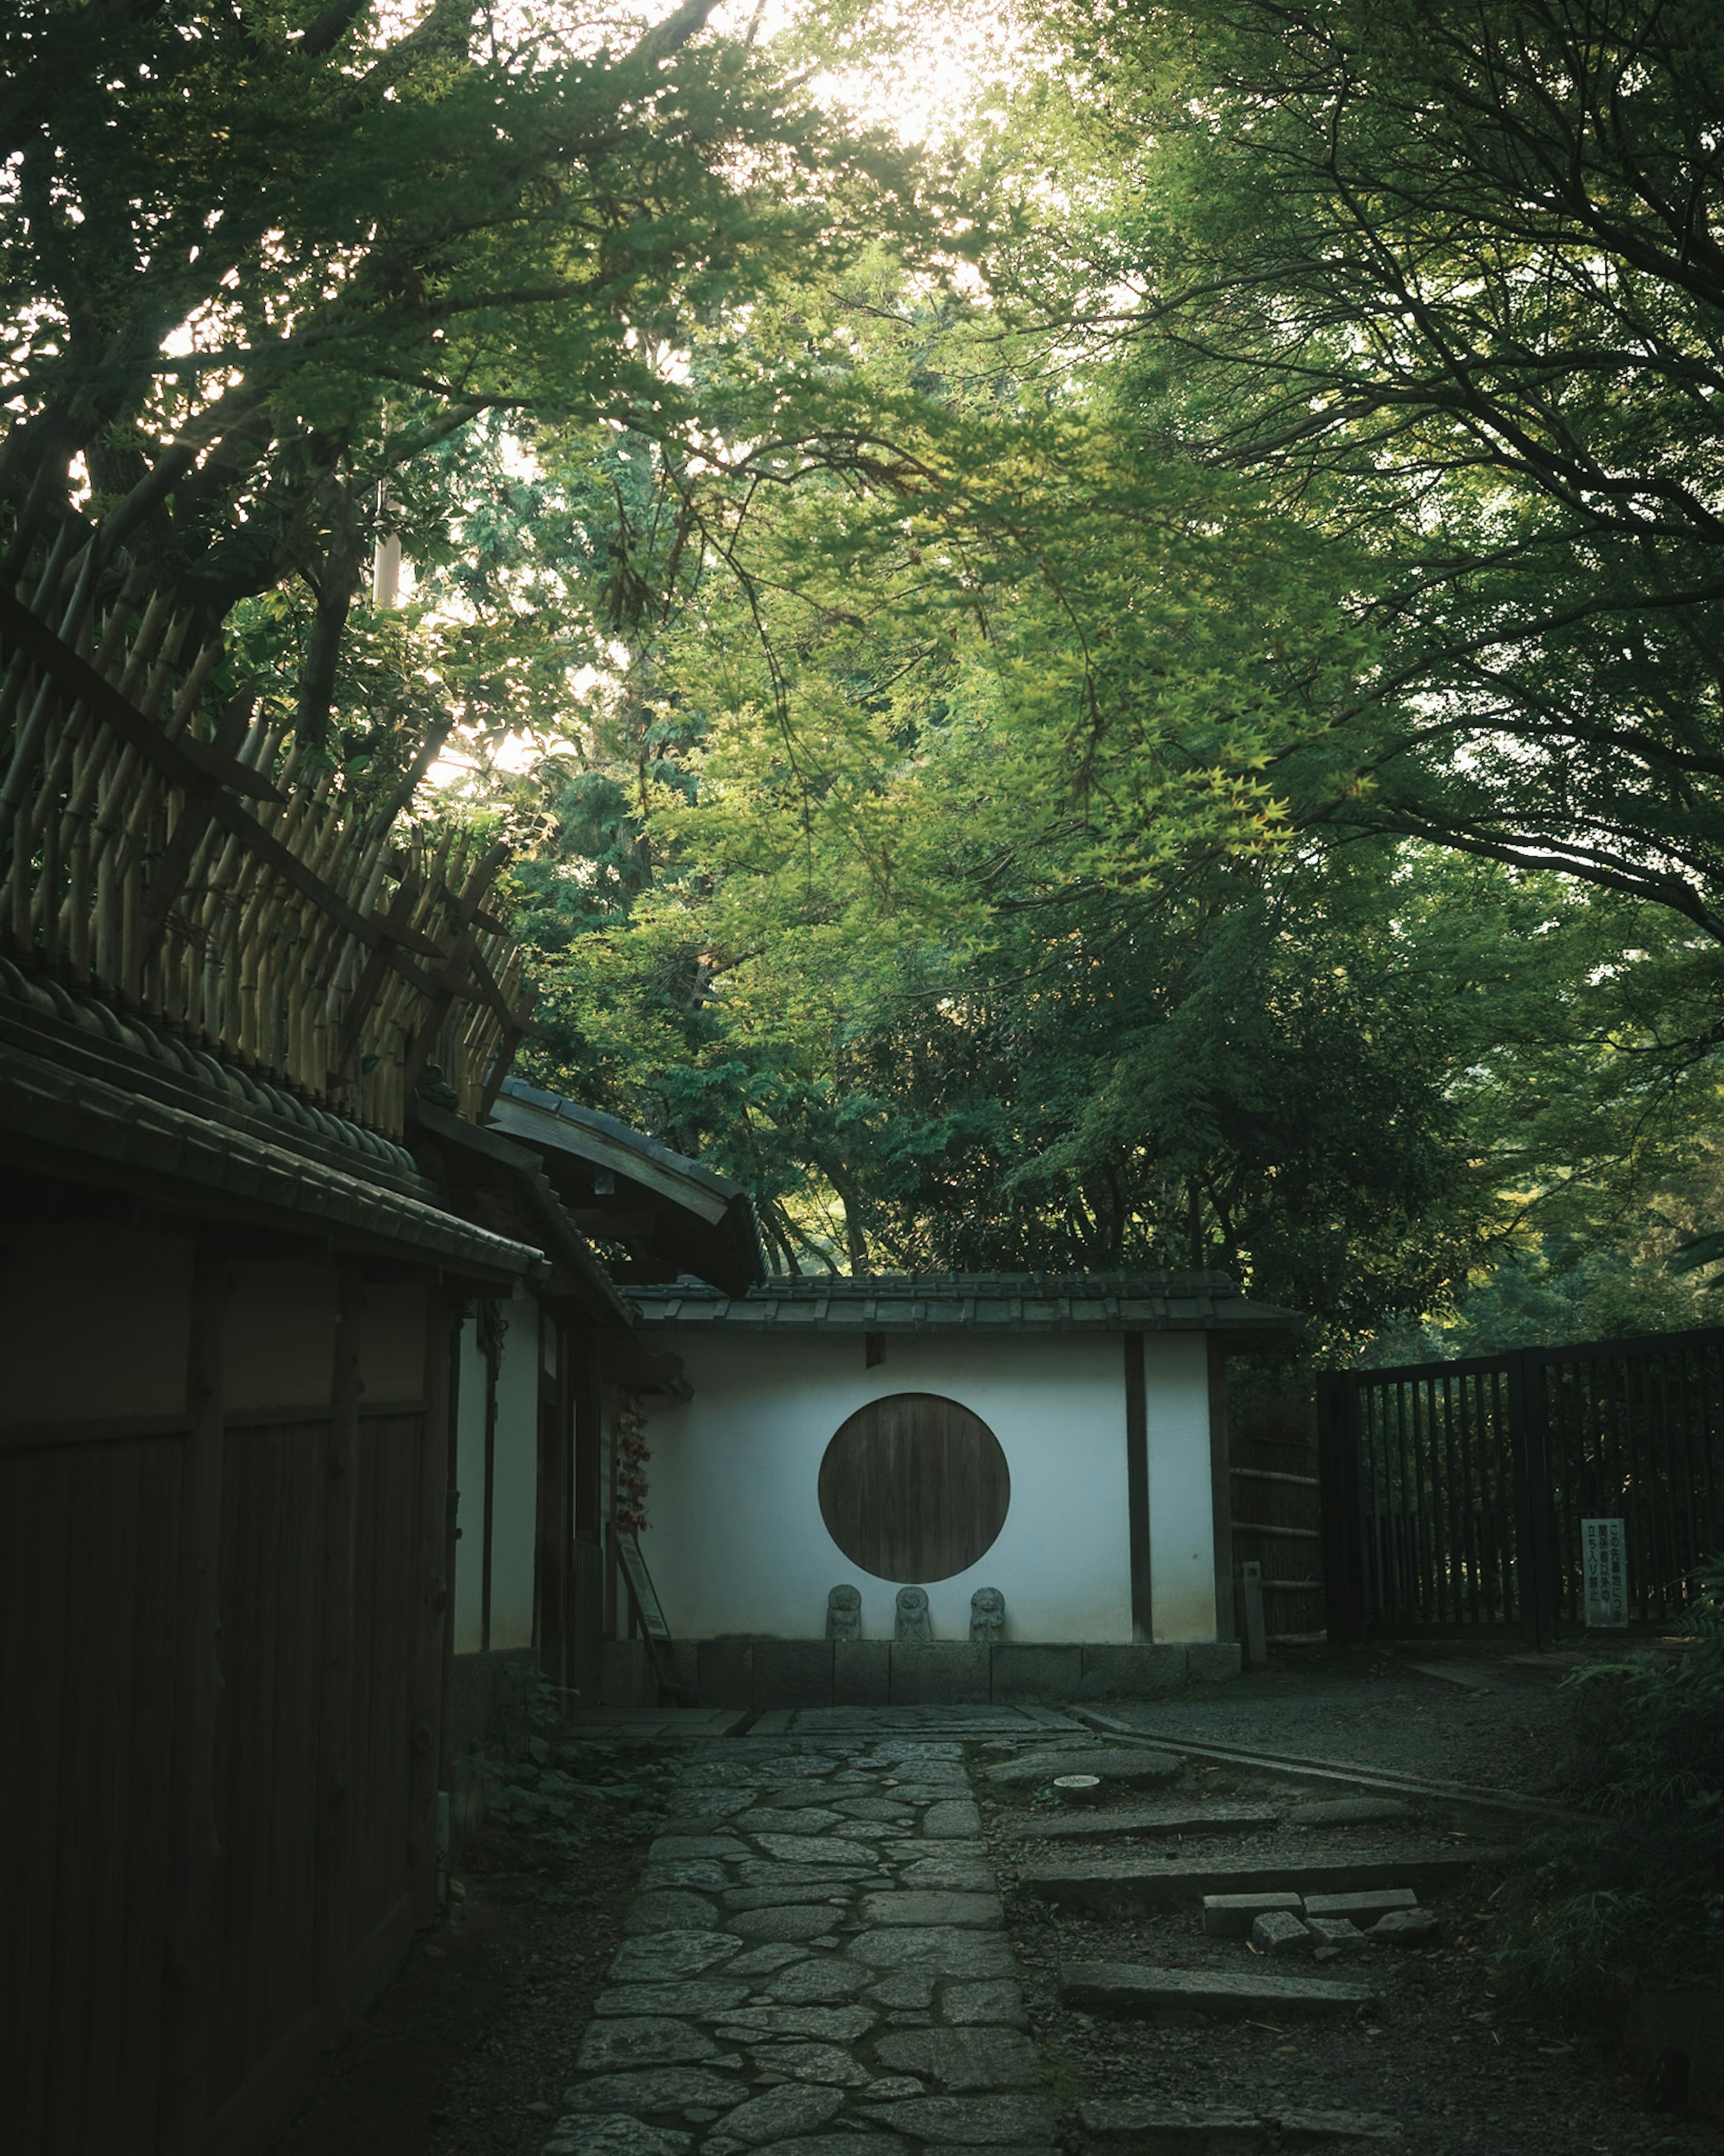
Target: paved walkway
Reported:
point(816, 1962)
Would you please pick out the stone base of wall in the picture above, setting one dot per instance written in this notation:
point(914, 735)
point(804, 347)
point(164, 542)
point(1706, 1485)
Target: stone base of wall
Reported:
point(763, 1674)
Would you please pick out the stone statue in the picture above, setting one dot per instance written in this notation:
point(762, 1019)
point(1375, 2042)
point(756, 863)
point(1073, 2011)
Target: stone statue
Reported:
point(844, 1613)
point(987, 1617)
point(914, 1627)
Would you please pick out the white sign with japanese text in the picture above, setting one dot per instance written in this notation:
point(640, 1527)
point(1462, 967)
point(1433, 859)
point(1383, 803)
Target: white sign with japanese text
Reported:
point(1603, 1548)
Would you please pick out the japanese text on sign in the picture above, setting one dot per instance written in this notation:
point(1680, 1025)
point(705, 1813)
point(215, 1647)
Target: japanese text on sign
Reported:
point(1603, 1547)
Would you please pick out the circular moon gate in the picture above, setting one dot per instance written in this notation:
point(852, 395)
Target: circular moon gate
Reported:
point(914, 1488)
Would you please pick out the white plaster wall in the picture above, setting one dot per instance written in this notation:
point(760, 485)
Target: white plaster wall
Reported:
point(515, 1476)
point(469, 1483)
point(737, 1544)
point(515, 1482)
point(1181, 1509)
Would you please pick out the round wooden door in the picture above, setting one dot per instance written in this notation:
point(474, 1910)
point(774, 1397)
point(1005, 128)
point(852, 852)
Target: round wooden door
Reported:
point(914, 1488)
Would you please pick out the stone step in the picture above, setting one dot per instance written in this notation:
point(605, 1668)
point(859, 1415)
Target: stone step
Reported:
point(1158, 1820)
point(1136, 1988)
point(1133, 2126)
point(1143, 1882)
point(1112, 1764)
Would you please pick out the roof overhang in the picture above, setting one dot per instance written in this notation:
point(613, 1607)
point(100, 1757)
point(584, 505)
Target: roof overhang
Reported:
point(669, 1214)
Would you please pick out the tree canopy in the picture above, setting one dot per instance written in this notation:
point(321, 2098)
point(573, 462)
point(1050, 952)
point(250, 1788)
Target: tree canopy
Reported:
point(1138, 686)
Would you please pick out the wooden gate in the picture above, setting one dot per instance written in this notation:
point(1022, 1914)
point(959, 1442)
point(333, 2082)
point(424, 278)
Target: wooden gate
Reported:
point(221, 1631)
point(1454, 1493)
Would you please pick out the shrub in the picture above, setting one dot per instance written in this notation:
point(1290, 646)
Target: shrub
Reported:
point(1639, 1888)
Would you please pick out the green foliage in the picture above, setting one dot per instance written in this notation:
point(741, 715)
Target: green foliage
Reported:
point(1641, 1891)
point(1447, 282)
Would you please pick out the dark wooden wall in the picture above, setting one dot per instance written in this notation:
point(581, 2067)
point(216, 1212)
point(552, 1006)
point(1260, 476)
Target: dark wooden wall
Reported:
point(221, 1650)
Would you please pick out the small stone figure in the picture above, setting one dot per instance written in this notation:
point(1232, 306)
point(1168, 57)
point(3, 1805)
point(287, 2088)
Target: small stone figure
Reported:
point(844, 1613)
point(987, 1617)
point(914, 1627)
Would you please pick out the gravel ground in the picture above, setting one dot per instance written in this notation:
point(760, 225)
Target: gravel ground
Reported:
point(1459, 2074)
point(1381, 1718)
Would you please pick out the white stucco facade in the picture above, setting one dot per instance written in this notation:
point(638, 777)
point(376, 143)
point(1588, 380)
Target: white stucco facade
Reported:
point(514, 1482)
point(737, 1544)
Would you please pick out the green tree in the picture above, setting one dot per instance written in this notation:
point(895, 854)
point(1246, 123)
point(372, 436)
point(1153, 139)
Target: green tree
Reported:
point(1450, 283)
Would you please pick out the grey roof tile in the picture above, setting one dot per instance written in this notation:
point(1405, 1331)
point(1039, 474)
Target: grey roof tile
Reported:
point(959, 1302)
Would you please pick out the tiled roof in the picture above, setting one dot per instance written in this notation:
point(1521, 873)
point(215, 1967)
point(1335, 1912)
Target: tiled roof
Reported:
point(969, 1302)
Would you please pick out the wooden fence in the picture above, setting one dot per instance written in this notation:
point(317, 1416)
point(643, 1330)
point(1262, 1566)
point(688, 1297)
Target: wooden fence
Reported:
point(1454, 1493)
point(194, 865)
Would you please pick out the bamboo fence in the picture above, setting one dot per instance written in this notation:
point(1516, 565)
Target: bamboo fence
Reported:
point(187, 864)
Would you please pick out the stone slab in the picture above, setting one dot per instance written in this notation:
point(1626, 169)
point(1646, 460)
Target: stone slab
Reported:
point(673, 1848)
point(657, 2088)
point(1137, 1987)
point(824, 1981)
point(829, 2065)
point(1159, 1820)
point(999, 2003)
point(951, 1875)
point(758, 1873)
point(816, 1849)
point(791, 1673)
point(955, 2061)
point(971, 2121)
point(703, 2000)
point(1036, 1673)
point(953, 1819)
point(952, 1674)
point(1279, 1932)
point(764, 1960)
point(775, 2116)
point(972, 1911)
point(1350, 1811)
point(672, 1912)
point(646, 2040)
point(1113, 1764)
point(939, 1951)
point(839, 2144)
point(790, 1818)
point(831, 2025)
point(1406, 1928)
point(911, 1990)
point(1231, 1915)
point(1121, 1671)
point(612, 2137)
point(798, 1920)
point(699, 1872)
point(1149, 2125)
point(861, 1672)
point(1212, 1661)
point(668, 1957)
point(826, 1890)
point(1361, 1908)
point(1149, 1883)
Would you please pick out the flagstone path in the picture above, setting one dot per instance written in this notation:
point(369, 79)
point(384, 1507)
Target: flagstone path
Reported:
point(816, 1966)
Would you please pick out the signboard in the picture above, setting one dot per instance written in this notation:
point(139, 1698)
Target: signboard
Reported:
point(641, 1591)
point(1604, 1567)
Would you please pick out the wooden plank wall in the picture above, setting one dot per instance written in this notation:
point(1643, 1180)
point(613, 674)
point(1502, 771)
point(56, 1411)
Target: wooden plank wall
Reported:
point(217, 1769)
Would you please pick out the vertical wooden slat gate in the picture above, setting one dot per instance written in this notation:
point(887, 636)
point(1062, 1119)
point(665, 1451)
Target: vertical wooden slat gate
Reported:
point(1453, 1492)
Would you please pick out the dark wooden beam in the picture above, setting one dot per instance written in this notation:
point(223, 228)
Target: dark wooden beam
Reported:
point(1138, 1488)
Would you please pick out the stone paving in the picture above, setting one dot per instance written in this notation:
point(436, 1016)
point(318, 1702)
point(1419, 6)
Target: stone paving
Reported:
point(815, 1966)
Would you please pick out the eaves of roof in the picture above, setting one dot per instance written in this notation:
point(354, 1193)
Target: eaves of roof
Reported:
point(996, 1303)
point(70, 1120)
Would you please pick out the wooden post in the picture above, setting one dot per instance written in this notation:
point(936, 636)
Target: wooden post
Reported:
point(1227, 1617)
point(1346, 1614)
point(1137, 1488)
point(1535, 1524)
point(436, 1592)
point(1254, 1632)
point(335, 1734)
point(455, 1314)
point(192, 1940)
